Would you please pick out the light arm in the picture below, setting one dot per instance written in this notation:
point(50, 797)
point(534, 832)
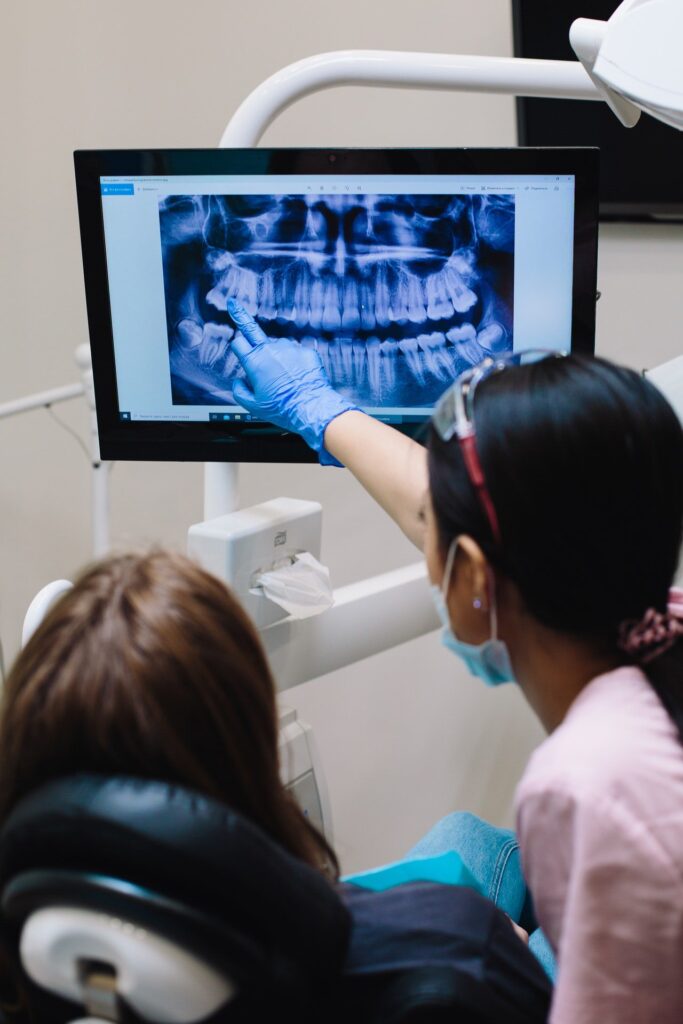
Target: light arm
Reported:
point(508, 76)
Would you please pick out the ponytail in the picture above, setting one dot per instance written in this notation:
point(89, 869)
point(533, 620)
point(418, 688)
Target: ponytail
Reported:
point(665, 675)
point(654, 642)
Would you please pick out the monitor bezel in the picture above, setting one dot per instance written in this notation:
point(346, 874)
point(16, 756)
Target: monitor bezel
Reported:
point(249, 442)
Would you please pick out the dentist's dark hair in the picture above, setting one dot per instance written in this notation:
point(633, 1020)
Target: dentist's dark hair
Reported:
point(584, 464)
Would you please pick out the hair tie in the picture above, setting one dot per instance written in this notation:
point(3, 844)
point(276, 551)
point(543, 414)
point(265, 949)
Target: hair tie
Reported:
point(647, 638)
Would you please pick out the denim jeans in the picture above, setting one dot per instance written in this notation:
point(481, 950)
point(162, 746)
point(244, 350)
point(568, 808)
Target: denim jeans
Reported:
point(492, 856)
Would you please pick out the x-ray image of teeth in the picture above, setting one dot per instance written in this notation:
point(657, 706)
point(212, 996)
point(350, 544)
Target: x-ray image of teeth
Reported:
point(397, 293)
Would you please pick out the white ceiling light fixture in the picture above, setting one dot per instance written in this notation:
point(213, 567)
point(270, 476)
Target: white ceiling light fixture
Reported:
point(635, 59)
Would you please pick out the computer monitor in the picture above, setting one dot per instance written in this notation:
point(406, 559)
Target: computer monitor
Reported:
point(401, 268)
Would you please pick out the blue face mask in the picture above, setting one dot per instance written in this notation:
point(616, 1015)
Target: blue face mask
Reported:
point(489, 661)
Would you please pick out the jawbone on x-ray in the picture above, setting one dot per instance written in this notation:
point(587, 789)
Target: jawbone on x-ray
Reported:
point(397, 293)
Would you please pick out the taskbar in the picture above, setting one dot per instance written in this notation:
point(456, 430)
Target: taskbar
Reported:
point(414, 416)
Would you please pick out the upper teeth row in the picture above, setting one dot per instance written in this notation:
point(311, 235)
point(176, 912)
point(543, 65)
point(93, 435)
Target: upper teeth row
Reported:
point(391, 296)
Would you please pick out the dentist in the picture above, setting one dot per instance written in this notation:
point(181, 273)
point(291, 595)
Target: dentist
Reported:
point(549, 506)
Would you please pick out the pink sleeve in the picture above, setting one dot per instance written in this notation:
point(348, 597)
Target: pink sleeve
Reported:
point(602, 891)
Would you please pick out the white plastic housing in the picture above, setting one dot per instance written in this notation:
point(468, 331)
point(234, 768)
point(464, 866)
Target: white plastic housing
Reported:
point(586, 37)
point(301, 769)
point(366, 618)
point(238, 546)
point(40, 606)
point(158, 980)
point(640, 57)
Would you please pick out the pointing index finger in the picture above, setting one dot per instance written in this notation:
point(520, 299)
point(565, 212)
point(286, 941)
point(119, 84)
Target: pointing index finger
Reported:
point(243, 320)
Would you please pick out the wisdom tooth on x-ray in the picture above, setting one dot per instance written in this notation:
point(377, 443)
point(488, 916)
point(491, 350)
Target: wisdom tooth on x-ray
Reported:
point(397, 293)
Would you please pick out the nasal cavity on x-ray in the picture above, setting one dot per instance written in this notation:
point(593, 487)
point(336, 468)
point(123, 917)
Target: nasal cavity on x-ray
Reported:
point(397, 293)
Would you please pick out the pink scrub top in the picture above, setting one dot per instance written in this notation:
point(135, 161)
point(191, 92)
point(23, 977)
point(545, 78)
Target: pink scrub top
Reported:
point(600, 822)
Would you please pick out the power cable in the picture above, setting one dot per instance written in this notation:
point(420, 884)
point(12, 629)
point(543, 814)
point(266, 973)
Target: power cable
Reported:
point(65, 426)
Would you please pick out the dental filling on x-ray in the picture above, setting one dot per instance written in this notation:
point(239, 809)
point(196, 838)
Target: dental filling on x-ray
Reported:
point(398, 282)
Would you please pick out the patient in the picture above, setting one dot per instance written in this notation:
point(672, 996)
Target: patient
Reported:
point(150, 668)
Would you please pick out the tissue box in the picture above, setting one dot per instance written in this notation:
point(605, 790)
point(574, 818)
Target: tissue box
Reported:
point(238, 546)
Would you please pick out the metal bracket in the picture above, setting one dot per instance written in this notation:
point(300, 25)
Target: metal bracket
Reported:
point(100, 994)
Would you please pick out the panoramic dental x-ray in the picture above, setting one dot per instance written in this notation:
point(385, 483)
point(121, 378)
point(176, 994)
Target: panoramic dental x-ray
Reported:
point(397, 293)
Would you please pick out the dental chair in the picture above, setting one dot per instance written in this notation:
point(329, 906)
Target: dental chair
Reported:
point(130, 900)
point(133, 900)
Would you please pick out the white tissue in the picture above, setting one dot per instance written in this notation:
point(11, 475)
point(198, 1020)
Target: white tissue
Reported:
point(301, 587)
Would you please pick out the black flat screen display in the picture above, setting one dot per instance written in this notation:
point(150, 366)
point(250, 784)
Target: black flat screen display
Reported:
point(401, 268)
point(641, 168)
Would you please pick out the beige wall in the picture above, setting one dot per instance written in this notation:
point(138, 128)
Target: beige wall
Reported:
point(405, 736)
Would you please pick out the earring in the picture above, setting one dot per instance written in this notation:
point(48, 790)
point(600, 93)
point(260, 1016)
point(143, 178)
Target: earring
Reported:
point(476, 603)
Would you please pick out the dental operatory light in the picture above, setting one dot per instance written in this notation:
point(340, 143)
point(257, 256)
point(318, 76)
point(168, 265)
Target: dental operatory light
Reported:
point(634, 59)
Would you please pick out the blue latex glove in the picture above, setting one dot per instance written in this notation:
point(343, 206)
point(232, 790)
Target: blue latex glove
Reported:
point(285, 384)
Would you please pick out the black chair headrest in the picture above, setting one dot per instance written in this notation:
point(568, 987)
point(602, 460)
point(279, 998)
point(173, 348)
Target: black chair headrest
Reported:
point(184, 847)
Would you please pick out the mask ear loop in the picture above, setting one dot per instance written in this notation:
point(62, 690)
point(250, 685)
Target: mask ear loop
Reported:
point(491, 587)
point(448, 569)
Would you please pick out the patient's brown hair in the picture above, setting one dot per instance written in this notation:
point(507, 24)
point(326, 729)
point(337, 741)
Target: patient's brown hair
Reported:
point(149, 667)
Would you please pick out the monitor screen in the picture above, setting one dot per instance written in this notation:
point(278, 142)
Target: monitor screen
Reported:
point(400, 277)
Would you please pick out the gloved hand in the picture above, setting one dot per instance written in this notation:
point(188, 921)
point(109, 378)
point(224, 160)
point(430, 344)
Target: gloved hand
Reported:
point(285, 383)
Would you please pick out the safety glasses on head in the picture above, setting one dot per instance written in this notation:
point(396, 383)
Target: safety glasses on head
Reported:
point(453, 416)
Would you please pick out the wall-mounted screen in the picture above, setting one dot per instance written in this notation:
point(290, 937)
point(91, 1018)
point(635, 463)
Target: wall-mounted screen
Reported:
point(400, 268)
